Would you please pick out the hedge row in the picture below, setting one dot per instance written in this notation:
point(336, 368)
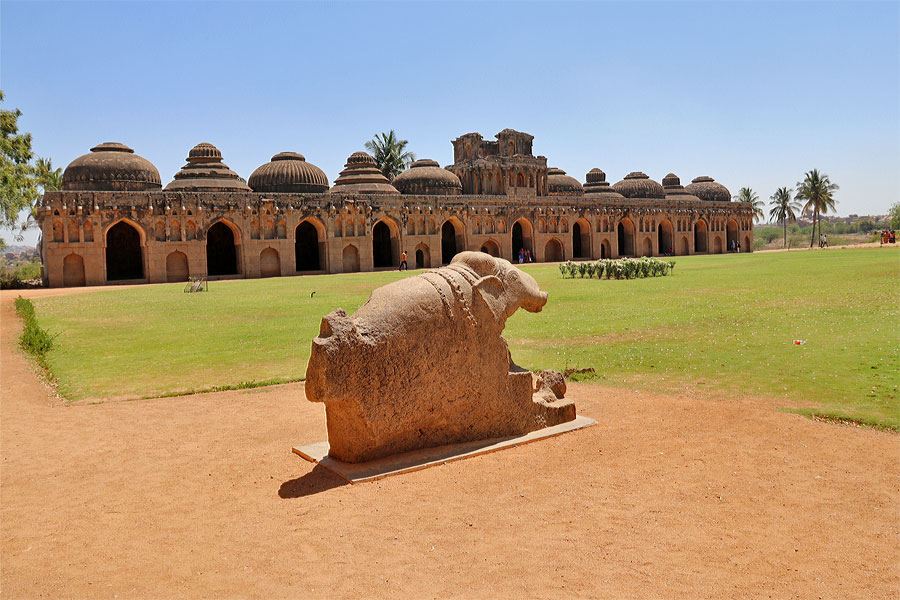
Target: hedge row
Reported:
point(618, 268)
point(34, 340)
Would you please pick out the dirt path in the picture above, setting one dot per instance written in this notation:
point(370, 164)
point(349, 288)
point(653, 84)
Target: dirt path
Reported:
point(668, 497)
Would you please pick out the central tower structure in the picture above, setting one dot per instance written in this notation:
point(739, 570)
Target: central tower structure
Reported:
point(505, 166)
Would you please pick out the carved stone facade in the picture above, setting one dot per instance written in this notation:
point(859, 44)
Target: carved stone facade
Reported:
point(98, 230)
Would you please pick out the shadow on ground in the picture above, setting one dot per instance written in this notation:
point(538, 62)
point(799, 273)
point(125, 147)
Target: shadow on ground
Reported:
point(318, 480)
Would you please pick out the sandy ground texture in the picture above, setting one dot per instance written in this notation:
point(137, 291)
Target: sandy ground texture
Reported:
point(668, 497)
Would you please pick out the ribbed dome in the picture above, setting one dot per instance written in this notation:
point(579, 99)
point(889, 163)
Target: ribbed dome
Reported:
point(707, 189)
point(639, 185)
point(111, 166)
point(427, 177)
point(361, 176)
point(674, 189)
point(560, 184)
point(205, 172)
point(597, 186)
point(289, 172)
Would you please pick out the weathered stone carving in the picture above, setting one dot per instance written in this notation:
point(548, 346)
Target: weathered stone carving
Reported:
point(422, 363)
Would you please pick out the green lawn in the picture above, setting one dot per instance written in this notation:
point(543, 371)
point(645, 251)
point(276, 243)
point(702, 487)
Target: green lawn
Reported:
point(724, 323)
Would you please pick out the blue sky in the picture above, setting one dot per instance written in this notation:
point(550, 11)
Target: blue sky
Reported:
point(751, 93)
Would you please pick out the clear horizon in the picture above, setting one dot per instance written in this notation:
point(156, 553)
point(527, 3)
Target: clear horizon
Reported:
point(752, 94)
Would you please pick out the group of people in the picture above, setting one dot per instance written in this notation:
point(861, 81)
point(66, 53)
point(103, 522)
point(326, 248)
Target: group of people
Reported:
point(735, 246)
point(823, 240)
point(525, 256)
point(888, 237)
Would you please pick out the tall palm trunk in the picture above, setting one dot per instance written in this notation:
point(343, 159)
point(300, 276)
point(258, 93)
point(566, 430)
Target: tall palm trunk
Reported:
point(784, 224)
point(815, 220)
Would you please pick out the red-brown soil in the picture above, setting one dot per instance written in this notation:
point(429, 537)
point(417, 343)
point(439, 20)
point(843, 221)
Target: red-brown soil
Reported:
point(668, 497)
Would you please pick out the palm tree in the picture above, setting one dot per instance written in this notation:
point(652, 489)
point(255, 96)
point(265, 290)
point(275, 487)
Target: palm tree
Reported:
point(750, 197)
point(390, 155)
point(47, 177)
point(816, 191)
point(784, 209)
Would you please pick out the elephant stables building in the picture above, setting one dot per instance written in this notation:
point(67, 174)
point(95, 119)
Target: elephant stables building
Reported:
point(113, 221)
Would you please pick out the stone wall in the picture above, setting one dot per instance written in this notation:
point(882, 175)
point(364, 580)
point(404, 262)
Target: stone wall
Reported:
point(290, 234)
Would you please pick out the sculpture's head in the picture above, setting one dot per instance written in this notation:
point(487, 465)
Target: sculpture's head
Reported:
point(504, 287)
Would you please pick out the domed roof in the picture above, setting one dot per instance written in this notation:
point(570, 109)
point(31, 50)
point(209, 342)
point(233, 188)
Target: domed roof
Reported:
point(111, 166)
point(427, 177)
point(674, 189)
point(560, 184)
point(361, 176)
point(707, 189)
point(639, 185)
point(289, 172)
point(205, 172)
point(597, 185)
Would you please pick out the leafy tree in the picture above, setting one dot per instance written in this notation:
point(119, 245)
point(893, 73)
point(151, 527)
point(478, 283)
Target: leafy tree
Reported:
point(390, 154)
point(784, 209)
point(816, 190)
point(750, 197)
point(894, 214)
point(18, 186)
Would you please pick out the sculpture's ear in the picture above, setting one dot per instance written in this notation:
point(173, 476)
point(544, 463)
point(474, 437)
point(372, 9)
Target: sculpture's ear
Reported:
point(491, 290)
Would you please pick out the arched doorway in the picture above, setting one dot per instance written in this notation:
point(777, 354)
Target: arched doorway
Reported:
point(491, 247)
point(306, 247)
point(625, 237)
point(177, 267)
point(700, 236)
point(665, 243)
point(685, 246)
point(521, 237)
point(581, 239)
point(270, 263)
point(423, 256)
point(604, 249)
point(73, 271)
point(553, 251)
point(745, 247)
point(382, 247)
point(732, 237)
point(350, 259)
point(449, 239)
point(647, 247)
point(123, 253)
point(221, 254)
point(717, 245)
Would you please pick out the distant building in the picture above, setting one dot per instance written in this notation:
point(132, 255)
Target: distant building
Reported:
point(114, 222)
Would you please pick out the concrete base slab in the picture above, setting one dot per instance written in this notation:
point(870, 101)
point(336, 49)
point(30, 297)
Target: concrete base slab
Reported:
point(427, 457)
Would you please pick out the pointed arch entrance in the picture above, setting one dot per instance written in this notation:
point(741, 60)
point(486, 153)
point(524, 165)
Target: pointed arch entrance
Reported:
point(732, 237)
point(604, 249)
point(177, 267)
point(521, 237)
point(700, 236)
point(385, 244)
point(73, 271)
point(269, 263)
point(581, 239)
point(221, 253)
point(124, 256)
point(625, 237)
point(665, 244)
point(423, 256)
point(553, 251)
point(491, 247)
point(306, 247)
point(451, 240)
point(350, 259)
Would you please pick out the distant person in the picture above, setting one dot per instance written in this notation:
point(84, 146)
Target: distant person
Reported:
point(403, 264)
point(521, 255)
point(825, 240)
point(528, 257)
point(893, 237)
point(738, 247)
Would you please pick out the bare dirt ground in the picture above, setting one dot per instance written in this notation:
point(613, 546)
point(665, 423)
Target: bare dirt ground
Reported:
point(668, 497)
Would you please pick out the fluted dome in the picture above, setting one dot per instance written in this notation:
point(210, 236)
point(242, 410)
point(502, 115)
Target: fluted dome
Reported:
point(111, 166)
point(707, 189)
point(598, 187)
point(639, 185)
point(289, 172)
point(674, 189)
point(427, 177)
point(205, 172)
point(560, 184)
point(361, 176)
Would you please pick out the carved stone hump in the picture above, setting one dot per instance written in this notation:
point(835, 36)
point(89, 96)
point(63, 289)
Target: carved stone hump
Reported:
point(423, 363)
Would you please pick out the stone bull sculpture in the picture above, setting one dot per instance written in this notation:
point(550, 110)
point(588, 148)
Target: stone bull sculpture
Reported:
point(423, 363)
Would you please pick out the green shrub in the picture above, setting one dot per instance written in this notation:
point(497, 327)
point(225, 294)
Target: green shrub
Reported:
point(621, 268)
point(34, 340)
